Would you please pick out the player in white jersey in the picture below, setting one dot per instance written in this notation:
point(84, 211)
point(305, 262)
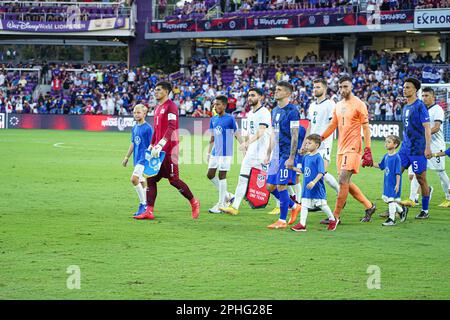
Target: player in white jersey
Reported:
point(437, 117)
point(320, 113)
point(259, 130)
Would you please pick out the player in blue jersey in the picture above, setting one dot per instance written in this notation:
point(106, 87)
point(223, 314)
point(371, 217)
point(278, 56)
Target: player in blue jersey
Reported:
point(416, 146)
point(223, 129)
point(314, 194)
point(392, 188)
point(141, 136)
point(282, 152)
point(295, 187)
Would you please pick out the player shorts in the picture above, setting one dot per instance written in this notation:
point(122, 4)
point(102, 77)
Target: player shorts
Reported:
point(278, 174)
point(387, 199)
point(169, 169)
point(418, 163)
point(222, 163)
point(325, 152)
point(436, 164)
point(138, 172)
point(313, 203)
point(248, 163)
point(349, 162)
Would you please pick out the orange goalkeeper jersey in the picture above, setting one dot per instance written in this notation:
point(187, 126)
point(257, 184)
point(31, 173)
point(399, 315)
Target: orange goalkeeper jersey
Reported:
point(349, 116)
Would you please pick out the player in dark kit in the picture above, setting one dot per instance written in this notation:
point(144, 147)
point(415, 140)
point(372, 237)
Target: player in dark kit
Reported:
point(166, 139)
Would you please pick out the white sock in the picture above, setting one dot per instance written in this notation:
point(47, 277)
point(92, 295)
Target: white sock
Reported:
point(291, 190)
point(303, 215)
point(414, 188)
point(392, 210)
point(240, 191)
point(141, 193)
point(298, 191)
point(328, 212)
point(222, 191)
point(332, 182)
point(445, 183)
point(215, 182)
point(398, 207)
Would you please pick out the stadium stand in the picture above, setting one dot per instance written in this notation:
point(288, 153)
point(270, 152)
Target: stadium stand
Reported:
point(115, 89)
point(247, 8)
point(54, 11)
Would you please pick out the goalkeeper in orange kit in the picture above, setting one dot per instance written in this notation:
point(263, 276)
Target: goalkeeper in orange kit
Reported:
point(349, 116)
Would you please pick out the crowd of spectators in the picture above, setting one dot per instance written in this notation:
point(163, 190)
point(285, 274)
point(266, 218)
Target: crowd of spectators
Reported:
point(40, 11)
point(197, 9)
point(115, 89)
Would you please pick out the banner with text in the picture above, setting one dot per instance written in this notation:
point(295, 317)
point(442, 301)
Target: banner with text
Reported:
point(62, 26)
point(285, 21)
point(432, 19)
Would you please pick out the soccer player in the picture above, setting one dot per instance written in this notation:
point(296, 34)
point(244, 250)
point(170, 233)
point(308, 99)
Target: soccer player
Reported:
point(437, 118)
point(166, 139)
point(391, 164)
point(314, 194)
point(141, 136)
point(282, 152)
point(415, 149)
point(220, 152)
point(349, 116)
point(259, 132)
point(294, 188)
point(320, 113)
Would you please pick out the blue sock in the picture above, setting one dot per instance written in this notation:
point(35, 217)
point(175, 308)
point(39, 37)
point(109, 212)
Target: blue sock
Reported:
point(425, 202)
point(276, 194)
point(284, 204)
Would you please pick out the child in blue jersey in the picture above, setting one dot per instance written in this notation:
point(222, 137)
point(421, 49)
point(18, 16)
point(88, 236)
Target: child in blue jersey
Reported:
point(391, 164)
point(223, 129)
point(314, 194)
point(141, 137)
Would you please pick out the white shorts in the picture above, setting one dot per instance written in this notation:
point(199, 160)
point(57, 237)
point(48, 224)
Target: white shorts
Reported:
point(387, 199)
point(223, 163)
point(248, 163)
point(313, 203)
point(325, 152)
point(138, 172)
point(436, 163)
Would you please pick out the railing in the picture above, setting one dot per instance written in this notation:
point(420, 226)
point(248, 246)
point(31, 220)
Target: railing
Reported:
point(38, 70)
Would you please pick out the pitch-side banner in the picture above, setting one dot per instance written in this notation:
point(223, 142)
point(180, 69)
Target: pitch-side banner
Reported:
point(432, 19)
point(60, 26)
point(2, 121)
point(379, 130)
point(93, 122)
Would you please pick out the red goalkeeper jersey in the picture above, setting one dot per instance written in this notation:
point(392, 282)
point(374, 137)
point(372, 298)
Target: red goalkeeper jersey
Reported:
point(166, 126)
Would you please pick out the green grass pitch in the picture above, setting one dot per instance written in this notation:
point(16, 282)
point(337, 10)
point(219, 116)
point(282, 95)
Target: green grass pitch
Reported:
point(71, 205)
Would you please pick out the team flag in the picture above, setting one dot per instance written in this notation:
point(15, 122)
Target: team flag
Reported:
point(152, 165)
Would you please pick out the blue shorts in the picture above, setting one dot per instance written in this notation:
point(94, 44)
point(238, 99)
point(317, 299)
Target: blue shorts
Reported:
point(418, 163)
point(278, 174)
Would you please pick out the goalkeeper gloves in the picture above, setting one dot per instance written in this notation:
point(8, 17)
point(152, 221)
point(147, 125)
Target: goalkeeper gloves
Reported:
point(367, 160)
point(156, 150)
